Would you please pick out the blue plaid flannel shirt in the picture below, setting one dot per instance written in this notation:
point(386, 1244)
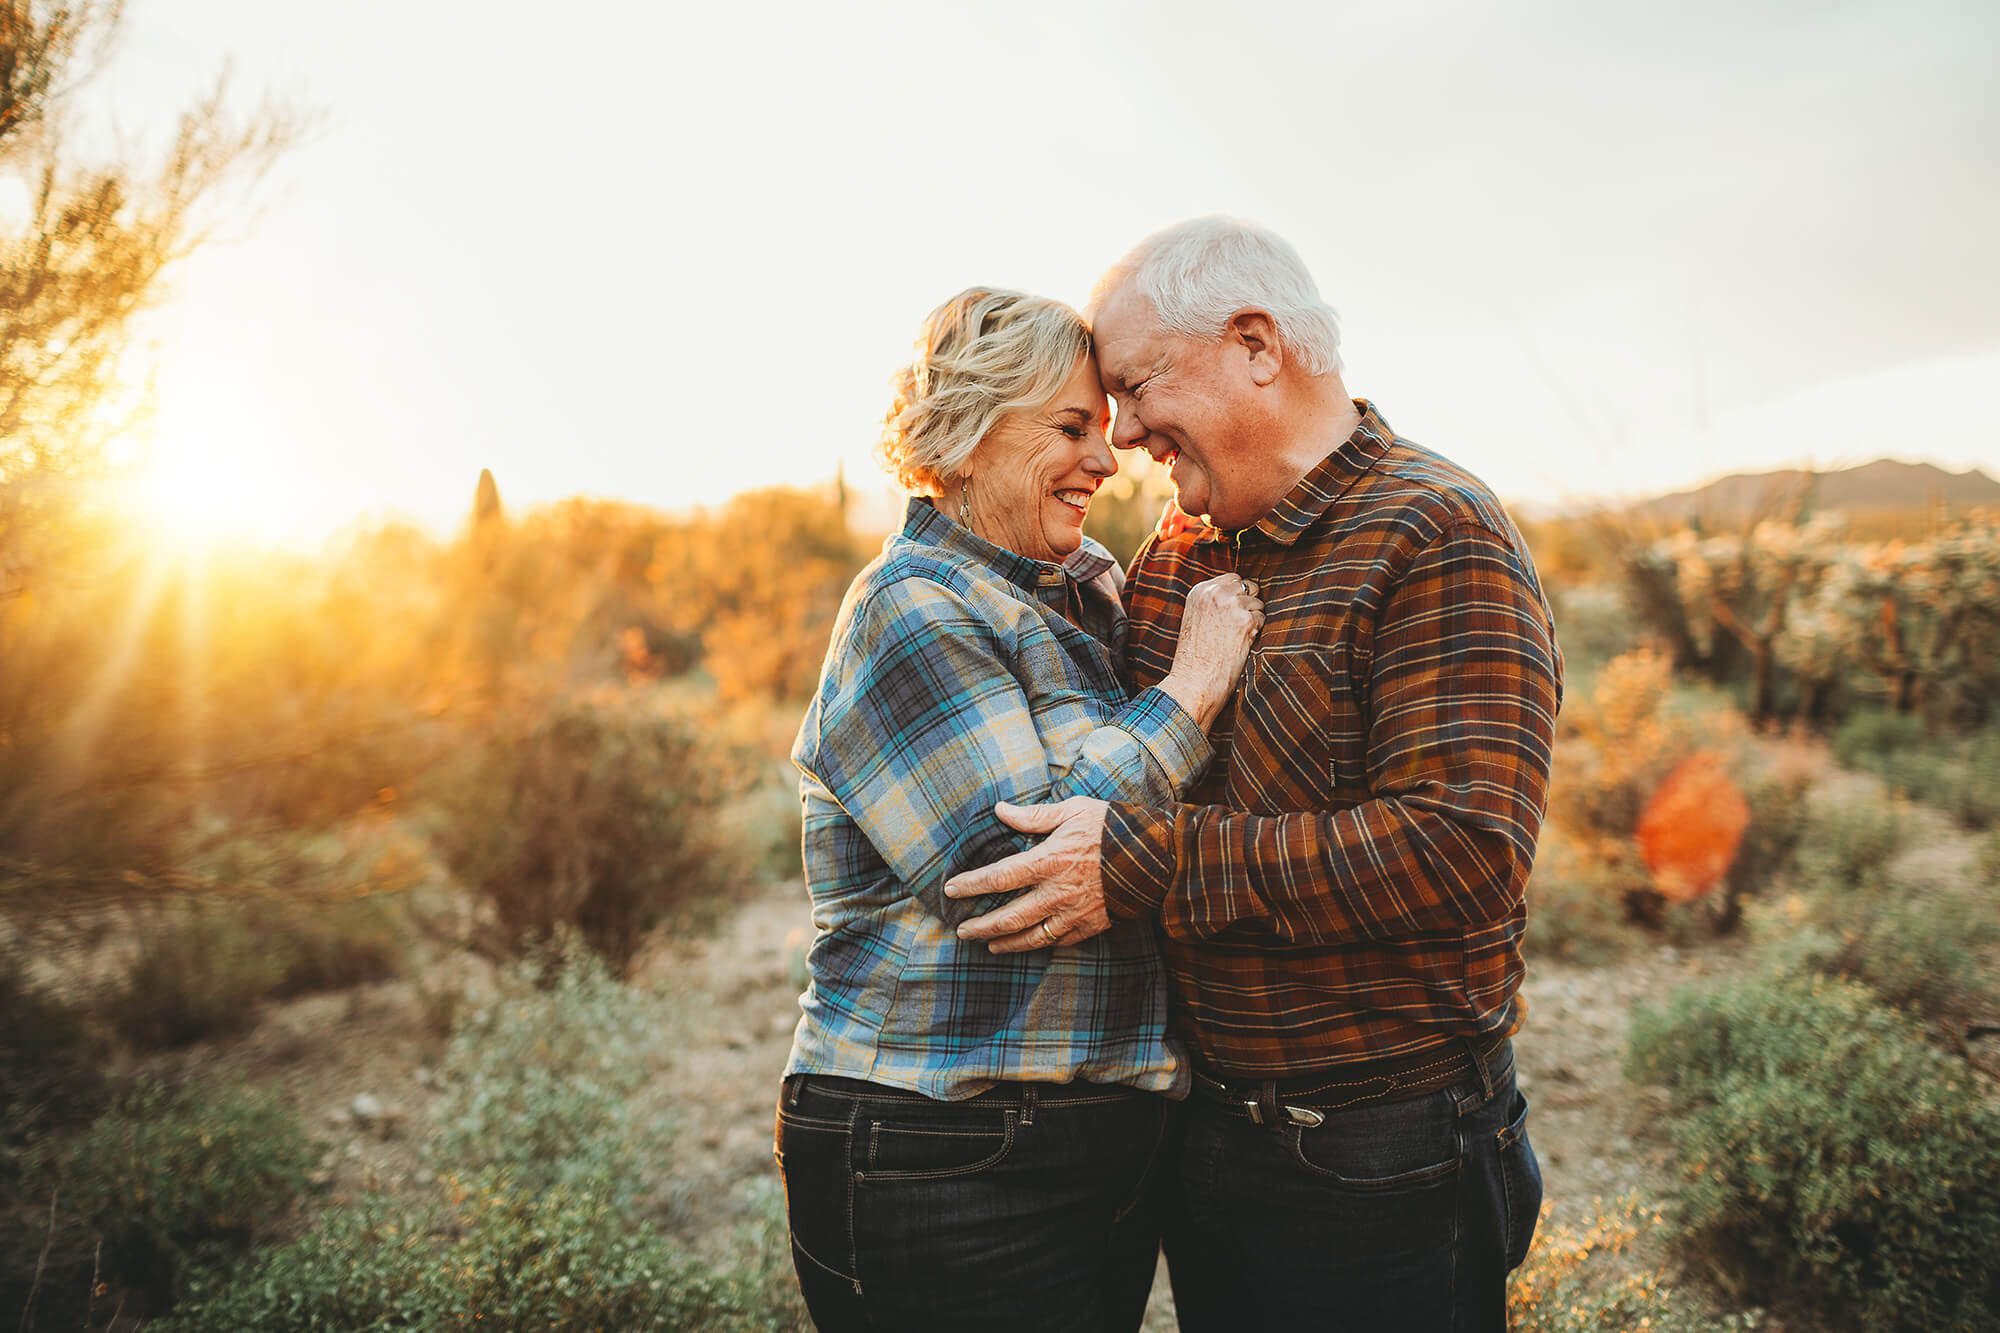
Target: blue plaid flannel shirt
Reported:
point(954, 680)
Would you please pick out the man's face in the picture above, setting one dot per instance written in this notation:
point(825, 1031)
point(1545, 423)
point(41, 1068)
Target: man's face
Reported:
point(1180, 399)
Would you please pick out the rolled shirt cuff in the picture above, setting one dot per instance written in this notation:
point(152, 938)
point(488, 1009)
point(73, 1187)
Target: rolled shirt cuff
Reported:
point(1169, 734)
point(1137, 859)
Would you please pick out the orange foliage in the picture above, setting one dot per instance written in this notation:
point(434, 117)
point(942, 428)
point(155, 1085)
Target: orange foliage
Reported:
point(1692, 827)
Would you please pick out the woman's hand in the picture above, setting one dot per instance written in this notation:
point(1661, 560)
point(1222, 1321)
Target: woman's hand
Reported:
point(1222, 618)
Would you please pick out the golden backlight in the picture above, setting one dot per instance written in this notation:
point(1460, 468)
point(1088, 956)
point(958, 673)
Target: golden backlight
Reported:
point(202, 477)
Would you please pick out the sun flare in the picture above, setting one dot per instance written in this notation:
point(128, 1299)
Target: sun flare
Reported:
point(200, 476)
point(201, 498)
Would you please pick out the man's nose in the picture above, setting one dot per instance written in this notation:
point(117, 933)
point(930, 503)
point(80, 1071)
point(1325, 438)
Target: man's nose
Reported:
point(1126, 428)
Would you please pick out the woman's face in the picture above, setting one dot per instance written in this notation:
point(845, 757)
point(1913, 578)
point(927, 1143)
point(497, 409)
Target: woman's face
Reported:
point(1034, 473)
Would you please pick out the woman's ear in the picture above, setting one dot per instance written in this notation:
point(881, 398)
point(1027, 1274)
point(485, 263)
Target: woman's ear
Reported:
point(1257, 334)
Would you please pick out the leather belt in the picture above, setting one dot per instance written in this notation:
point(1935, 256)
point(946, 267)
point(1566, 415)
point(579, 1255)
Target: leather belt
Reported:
point(1307, 1099)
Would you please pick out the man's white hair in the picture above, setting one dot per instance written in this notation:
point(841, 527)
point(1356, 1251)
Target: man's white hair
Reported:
point(1199, 273)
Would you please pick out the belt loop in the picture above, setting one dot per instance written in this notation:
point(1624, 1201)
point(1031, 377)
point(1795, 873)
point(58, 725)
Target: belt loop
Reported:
point(792, 1086)
point(1479, 1064)
point(1028, 1105)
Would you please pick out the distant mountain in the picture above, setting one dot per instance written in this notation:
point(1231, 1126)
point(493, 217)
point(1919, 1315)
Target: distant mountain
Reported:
point(1881, 486)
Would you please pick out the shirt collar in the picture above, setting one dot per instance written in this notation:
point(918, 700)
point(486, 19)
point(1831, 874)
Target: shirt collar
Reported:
point(1329, 477)
point(925, 523)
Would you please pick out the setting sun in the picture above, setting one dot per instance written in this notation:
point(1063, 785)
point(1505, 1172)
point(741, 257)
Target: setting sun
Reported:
point(202, 475)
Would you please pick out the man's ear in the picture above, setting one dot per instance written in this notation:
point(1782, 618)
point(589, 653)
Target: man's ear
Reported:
point(1257, 334)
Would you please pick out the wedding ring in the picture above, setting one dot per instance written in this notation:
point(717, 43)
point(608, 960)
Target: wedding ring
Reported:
point(1048, 934)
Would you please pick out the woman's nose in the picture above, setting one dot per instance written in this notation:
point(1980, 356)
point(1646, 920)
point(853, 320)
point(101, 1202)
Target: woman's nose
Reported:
point(1098, 460)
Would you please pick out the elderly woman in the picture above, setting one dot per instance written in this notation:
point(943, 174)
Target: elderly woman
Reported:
point(966, 1137)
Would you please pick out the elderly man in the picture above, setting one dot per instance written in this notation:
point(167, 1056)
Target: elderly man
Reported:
point(1342, 897)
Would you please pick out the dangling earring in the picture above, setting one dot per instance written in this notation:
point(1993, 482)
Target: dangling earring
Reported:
point(965, 501)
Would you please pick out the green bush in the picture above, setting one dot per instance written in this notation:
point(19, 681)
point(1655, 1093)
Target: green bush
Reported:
point(1577, 911)
point(600, 815)
point(1958, 774)
point(171, 1179)
point(534, 1223)
point(200, 971)
point(1868, 740)
point(1989, 857)
point(204, 968)
point(51, 1078)
point(51, 1065)
point(1779, 818)
point(1846, 846)
point(1975, 795)
point(542, 1084)
point(332, 945)
point(1827, 1148)
point(490, 1252)
point(1929, 953)
point(1596, 623)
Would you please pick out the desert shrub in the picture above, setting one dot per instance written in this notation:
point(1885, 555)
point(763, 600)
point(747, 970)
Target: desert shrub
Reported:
point(600, 815)
point(540, 1141)
point(541, 1083)
point(1576, 909)
point(1931, 953)
point(1615, 747)
point(1980, 807)
point(52, 1077)
point(203, 969)
point(1846, 845)
point(171, 1179)
point(758, 583)
point(1770, 847)
point(1959, 774)
point(1871, 738)
point(1575, 1280)
point(1826, 1148)
point(199, 971)
point(332, 945)
point(1648, 794)
point(489, 1251)
point(51, 1064)
point(769, 824)
point(1594, 622)
point(1988, 857)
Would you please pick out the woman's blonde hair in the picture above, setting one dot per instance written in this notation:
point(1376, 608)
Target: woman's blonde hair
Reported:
point(982, 354)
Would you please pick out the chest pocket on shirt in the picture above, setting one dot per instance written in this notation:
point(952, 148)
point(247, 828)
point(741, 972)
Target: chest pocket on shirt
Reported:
point(1295, 741)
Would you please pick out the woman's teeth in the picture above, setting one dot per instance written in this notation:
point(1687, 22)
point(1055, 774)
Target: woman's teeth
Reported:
point(1077, 500)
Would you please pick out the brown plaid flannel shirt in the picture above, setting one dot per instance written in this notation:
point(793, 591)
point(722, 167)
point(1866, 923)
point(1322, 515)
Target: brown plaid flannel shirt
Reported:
point(1346, 881)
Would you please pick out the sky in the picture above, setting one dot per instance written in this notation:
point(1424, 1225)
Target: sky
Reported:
point(667, 253)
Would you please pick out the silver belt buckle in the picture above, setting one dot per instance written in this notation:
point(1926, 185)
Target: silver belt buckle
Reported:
point(1303, 1116)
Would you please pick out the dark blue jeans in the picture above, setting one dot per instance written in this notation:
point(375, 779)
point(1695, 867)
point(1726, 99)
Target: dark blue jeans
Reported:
point(1033, 1206)
point(1397, 1215)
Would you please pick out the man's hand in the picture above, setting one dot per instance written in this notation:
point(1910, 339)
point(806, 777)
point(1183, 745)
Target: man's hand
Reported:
point(1067, 904)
